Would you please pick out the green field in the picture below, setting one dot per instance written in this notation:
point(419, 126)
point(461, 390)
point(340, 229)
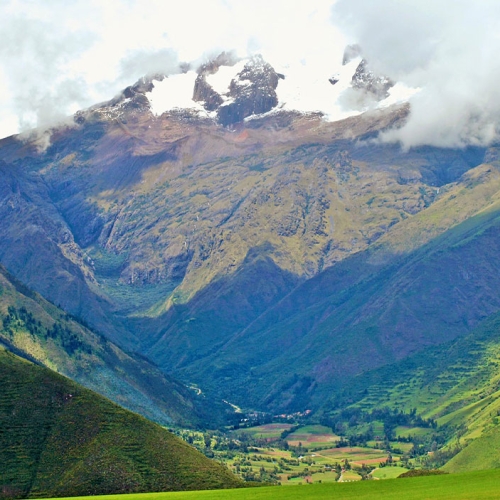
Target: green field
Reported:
point(349, 476)
point(467, 486)
point(404, 431)
point(309, 436)
point(267, 431)
point(356, 454)
point(388, 472)
point(313, 436)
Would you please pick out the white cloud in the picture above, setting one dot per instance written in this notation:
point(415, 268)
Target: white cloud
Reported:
point(449, 48)
point(57, 55)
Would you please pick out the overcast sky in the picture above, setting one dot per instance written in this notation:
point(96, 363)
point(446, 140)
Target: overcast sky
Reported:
point(58, 56)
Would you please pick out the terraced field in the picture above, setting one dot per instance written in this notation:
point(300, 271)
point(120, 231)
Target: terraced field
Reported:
point(59, 439)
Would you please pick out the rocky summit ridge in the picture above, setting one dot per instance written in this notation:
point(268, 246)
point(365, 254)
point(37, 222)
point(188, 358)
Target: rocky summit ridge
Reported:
point(251, 92)
point(229, 89)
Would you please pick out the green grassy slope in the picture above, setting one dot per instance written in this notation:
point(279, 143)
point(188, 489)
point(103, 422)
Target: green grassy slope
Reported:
point(35, 328)
point(475, 485)
point(456, 383)
point(482, 453)
point(60, 439)
point(219, 310)
point(380, 298)
point(369, 310)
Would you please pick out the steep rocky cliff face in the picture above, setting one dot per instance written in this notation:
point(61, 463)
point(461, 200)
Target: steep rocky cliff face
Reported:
point(367, 80)
point(203, 91)
point(364, 79)
point(251, 92)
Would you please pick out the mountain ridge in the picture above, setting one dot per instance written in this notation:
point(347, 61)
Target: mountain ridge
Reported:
point(60, 439)
point(180, 238)
point(40, 332)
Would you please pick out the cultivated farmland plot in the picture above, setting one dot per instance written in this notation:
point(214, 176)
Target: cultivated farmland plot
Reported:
point(310, 454)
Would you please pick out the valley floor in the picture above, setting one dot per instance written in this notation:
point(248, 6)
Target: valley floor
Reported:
point(287, 455)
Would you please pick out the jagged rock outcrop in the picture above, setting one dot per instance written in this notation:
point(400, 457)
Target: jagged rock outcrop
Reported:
point(334, 79)
point(365, 79)
point(130, 101)
point(203, 91)
point(133, 97)
point(251, 92)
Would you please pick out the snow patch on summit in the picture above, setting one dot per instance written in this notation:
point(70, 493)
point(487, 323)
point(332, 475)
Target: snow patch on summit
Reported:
point(174, 92)
point(307, 88)
point(221, 80)
point(398, 94)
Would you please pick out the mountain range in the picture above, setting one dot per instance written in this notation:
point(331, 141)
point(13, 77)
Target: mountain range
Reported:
point(218, 228)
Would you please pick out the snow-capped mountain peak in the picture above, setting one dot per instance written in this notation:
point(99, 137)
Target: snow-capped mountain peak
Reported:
point(230, 89)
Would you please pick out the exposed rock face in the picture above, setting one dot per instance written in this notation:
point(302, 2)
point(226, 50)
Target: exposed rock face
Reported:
point(133, 97)
point(203, 91)
point(334, 79)
point(223, 59)
point(253, 91)
point(142, 85)
point(131, 101)
point(365, 79)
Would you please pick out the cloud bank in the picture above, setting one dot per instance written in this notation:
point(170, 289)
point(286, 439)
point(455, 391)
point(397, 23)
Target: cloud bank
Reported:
point(448, 48)
point(57, 57)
